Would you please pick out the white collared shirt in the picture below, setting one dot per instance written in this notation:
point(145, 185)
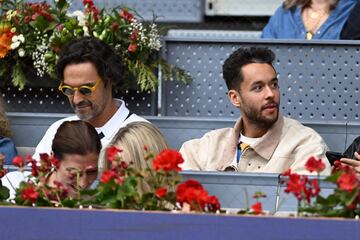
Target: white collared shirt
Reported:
point(109, 129)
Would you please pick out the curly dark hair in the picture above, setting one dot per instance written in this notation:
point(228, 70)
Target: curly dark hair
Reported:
point(232, 67)
point(108, 63)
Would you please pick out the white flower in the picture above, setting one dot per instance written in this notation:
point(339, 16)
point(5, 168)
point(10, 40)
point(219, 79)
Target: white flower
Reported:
point(86, 31)
point(13, 30)
point(14, 39)
point(21, 52)
point(21, 38)
point(15, 45)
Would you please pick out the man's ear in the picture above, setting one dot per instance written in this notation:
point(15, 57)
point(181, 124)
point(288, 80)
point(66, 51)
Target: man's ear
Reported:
point(234, 97)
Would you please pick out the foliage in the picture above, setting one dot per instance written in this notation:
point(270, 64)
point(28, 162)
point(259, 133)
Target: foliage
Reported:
point(34, 33)
point(343, 202)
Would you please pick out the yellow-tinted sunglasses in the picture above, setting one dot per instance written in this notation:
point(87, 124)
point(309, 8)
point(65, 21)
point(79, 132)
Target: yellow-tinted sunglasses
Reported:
point(83, 89)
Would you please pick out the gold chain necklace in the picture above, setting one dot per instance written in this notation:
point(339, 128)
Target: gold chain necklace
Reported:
point(310, 30)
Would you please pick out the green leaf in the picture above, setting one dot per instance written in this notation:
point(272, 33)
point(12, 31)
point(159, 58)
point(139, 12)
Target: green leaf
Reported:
point(4, 193)
point(18, 77)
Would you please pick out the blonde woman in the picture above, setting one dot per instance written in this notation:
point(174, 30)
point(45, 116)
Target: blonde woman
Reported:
point(7, 147)
point(134, 138)
point(309, 19)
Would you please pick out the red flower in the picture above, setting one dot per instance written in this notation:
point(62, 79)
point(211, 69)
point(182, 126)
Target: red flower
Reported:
point(213, 203)
point(314, 165)
point(160, 192)
point(29, 194)
point(34, 167)
point(347, 181)
point(192, 193)
point(132, 47)
point(107, 176)
point(114, 26)
point(257, 208)
point(2, 172)
point(18, 161)
point(126, 15)
point(134, 35)
point(112, 153)
point(168, 160)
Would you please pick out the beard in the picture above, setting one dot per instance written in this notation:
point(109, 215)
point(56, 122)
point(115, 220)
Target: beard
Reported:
point(81, 113)
point(256, 117)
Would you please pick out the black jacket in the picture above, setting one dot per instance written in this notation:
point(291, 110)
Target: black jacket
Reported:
point(351, 29)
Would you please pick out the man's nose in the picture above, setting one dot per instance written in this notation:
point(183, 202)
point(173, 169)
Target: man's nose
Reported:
point(77, 97)
point(270, 92)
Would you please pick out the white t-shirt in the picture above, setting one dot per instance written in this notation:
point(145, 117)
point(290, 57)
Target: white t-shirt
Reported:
point(111, 127)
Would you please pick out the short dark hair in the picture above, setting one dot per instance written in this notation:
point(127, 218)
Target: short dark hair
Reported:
point(232, 67)
point(75, 137)
point(108, 63)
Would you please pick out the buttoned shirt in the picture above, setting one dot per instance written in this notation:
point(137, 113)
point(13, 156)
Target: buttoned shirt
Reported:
point(287, 144)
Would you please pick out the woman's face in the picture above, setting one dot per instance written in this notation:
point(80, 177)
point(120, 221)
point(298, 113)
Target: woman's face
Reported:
point(76, 171)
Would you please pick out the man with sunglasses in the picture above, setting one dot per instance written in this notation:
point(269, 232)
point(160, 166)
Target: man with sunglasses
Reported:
point(87, 68)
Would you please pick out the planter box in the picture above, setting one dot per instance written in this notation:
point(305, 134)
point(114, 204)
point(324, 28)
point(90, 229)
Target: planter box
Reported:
point(47, 223)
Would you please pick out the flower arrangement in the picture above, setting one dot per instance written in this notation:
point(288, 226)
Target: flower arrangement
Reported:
point(343, 202)
point(32, 34)
point(157, 187)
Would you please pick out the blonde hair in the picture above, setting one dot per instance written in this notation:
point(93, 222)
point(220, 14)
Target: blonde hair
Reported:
point(132, 140)
point(306, 3)
point(5, 130)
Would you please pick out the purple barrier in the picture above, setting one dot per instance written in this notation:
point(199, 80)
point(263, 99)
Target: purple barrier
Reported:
point(46, 223)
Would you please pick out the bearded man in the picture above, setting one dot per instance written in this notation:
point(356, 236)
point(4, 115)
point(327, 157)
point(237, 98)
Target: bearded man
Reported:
point(262, 140)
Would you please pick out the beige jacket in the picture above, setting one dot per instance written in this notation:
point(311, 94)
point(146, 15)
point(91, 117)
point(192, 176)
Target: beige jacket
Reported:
point(287, 144)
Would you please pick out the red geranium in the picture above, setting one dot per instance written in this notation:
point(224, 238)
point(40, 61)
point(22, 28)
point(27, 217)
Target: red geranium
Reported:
point(29, 193)
point(213, 203)
point(301, 186)
point(2, 172)
point(18, 161)
point(347, 181)
point(193, 193)
point(107, 176)
point(34, 167)
point(168, 160)
point(257, 208)
point(161, 192)
point(314, 165)
point(112, 153)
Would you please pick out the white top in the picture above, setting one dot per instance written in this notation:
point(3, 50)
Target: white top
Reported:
point(111, 127)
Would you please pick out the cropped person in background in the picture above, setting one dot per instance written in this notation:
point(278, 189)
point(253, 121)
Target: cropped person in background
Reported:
point(351, 29)
point(262, 140)
point(87, 68)
point(77, 146)
point(7, 147)
point(132, 140)
point(351, 156)
point(308, 19)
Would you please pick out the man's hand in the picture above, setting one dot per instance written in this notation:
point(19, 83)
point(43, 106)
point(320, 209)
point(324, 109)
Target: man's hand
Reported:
point(351, 162)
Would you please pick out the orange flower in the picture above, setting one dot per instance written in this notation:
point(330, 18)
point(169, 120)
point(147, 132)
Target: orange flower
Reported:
point(5, 39)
